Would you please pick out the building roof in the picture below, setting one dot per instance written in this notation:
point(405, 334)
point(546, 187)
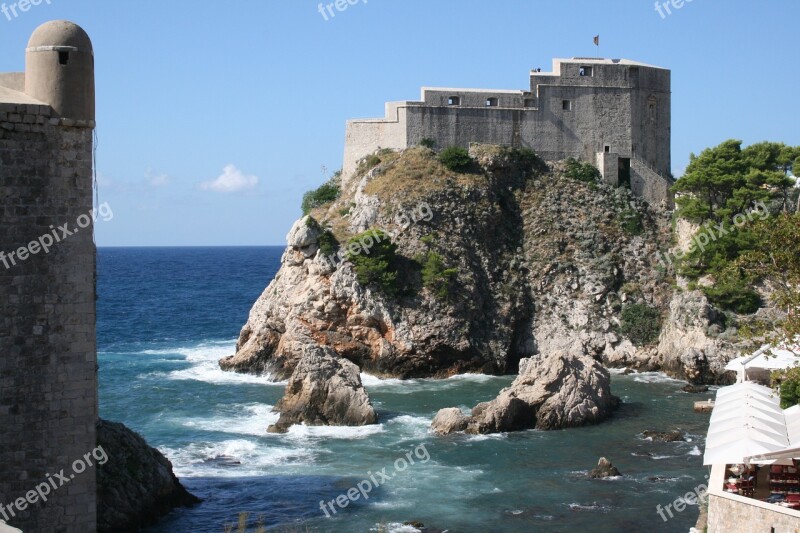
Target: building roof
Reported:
point(60, 33)
point(10, 96)
point(606, 61)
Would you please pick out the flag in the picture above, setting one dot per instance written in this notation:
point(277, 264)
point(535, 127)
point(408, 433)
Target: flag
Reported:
point(597, 40)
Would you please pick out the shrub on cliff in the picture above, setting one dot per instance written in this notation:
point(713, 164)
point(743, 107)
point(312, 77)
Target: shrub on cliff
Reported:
point(581, 171)
point(456, 159)
point(374, 258)
point(325, 194)
point(435, 276)
point(640, 323)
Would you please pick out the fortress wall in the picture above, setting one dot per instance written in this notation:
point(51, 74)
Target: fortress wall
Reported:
point(364, 137)
point(473, 98)
point(598, 117)
point(652, 128)
point(48, 383)
point(451, 126)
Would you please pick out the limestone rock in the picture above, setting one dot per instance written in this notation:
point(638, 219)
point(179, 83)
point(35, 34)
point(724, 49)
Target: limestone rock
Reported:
point(553, 391)
point(449, 420)
point(604, 469)
point(136, 485)
point(685, 348)
point(540, 263)
point(324, 389)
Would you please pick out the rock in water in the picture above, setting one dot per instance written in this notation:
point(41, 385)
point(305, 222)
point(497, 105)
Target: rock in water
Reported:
point(663, 436)
point(604, 469)
point(695, 389)
point(324, 390)
point(136, 485)
point(554, 391)
point(449, 420)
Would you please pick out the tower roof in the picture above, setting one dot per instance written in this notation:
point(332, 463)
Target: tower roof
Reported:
point(59, 33)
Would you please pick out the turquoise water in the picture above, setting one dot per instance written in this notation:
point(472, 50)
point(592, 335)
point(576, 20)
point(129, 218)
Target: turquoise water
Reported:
point(167, 315)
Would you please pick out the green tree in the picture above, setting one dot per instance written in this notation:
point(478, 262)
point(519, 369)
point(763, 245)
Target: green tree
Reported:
point(775, 257)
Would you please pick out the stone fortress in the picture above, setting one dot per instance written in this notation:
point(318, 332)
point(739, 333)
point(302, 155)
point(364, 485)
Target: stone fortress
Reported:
point(614, 113)
point(48, 360)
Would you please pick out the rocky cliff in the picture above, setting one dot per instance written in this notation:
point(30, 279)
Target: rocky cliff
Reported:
point(136, 485)
point(497, 263)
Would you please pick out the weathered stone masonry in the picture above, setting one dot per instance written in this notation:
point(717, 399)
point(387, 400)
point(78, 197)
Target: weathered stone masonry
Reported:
point(48, 383)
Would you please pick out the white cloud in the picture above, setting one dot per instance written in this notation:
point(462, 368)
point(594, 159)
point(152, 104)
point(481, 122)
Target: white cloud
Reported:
point(231, 180)
point(156, 180)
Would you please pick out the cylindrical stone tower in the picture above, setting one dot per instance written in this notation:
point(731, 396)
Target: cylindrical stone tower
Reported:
point(48, 360)
point(59, 69)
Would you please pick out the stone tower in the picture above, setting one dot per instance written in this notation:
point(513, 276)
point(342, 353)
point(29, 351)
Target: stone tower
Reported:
point(48, 359)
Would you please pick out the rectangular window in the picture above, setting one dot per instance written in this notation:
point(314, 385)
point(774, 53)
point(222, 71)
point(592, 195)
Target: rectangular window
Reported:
point(491, 102)
point(566, 105)
point(586, 71)
point(454, 100)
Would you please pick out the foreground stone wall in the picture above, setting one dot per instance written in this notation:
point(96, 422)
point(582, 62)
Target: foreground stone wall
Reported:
point(48, 385)
point(726, 514)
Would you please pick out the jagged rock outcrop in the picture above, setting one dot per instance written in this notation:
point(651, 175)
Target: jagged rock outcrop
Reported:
point(541, 261)
point(604, 469)
point(695, 344)
point(552, 391)
point(136, 485)
point(324, 390)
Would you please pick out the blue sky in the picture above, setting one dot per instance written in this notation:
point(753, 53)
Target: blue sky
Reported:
point(197, 97)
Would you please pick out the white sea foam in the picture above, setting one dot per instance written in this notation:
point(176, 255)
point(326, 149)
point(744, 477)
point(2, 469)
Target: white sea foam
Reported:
point(410, 386)
point(220, 459)
point(301, 432)
point(396, 527)
point(695, 451)
point(205, 364)
point(654, 377)
point(252, 419)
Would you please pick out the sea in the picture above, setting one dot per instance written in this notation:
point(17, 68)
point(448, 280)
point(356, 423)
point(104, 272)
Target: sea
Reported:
point(166, 316)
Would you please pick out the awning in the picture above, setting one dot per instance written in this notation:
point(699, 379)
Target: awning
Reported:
point(747, 421)
point(766, 358)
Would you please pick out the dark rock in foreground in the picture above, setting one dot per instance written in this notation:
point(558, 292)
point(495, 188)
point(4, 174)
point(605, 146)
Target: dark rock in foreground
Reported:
point(324, 390)
point(553, 391)
point(136, 485)
point(604, 469)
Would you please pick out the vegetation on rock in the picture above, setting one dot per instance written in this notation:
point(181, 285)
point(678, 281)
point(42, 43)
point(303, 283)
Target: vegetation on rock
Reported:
point(585, 172)
point(722, 188)
point(326, 193)
point(456, 159)
point(436, 277)
point(640, 323)
point(374, 258)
